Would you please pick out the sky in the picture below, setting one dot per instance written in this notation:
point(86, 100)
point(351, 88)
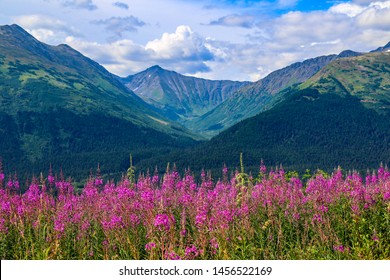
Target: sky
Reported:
point(222, 40)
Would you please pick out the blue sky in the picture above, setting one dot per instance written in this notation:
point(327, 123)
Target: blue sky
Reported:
point(236, 40)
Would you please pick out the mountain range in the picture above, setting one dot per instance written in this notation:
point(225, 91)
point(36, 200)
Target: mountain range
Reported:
point(338, 117)
point(61, 108)
point(180, 98)
point(208, 107)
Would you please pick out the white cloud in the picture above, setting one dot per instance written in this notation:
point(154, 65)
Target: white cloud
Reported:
point(208, 51)
point(297, 28)
point(122, 57)
point(335, 42)
point(376, 18)
point(296, 36)
point(47, 29)
point(183, 51)
point(245, 21)
point(79, 4)
point(367, 2)
point(184, 44)
point(348, 9)
point(372, 15)
point(119, 25)
point(121, 5)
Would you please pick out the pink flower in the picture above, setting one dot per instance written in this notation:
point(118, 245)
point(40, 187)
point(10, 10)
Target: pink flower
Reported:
point(134, 220)
point(316, 218)
point(339, 248)
point(263, 169)
point(6, 207)
point(59, 226)
point(296, 216)
point(98, 181)
point(324, 209)
point(10, 184)
point(172, 256)
point(214, 245)
point(149, 246)
point(16, 185)
point(163, 221)
point(200, 219)
point(51, 179)
point(224, 170)
point(191, 252)
point(85, 225)
point(115, 222)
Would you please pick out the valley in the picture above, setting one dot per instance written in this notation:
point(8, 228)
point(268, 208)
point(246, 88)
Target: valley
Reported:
point(62, 109)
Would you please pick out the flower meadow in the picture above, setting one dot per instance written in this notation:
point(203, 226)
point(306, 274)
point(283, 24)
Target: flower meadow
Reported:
point(273, 215)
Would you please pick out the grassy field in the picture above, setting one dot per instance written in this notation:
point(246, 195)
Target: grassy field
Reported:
point(273, 215)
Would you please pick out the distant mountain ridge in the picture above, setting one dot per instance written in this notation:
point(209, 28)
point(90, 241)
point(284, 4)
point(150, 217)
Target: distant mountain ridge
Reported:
point(58, 106)
point(208, 107)
point(36, 62)
point(365, 77)
point(340, 116)
point(382, 49)
point(261, 95)
point(180, 97)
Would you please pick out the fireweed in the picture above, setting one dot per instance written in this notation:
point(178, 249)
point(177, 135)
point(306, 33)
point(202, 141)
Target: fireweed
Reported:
point(272, 216)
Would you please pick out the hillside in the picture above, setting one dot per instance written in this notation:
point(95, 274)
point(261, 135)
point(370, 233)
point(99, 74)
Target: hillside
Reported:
point(260, 96)
point(365, 77)
point(58, 106)
point(180, 98)
point(320, 124)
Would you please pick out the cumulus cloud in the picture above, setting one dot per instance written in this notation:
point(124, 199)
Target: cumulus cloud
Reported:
point(235, 20)
point(79, 4)
point(296, 36)
point(269, 45)
point(184, 44)
point(348, 9)
point(264, 4)
point(121, 5)
point(374, 17)
point(119, 25)
point(368, 14)
point(296, 29)
point(183, 51)
point(47, 29)
point(119, 55)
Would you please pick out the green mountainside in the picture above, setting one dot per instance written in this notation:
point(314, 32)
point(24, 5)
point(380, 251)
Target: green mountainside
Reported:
point(260, 96)
point(180, 98)
point(338, 117)
point(366, 77)
point(59, 107)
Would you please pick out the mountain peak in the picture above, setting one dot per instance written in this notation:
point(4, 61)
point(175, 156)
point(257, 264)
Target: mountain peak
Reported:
point(158, 71)
point(15, 31)
point(348, 53)
point(382, 49)
point(11, 27)
point(14, 36)
point(156, 67)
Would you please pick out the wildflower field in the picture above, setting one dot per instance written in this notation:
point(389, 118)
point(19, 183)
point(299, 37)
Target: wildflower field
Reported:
point(273, 215)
